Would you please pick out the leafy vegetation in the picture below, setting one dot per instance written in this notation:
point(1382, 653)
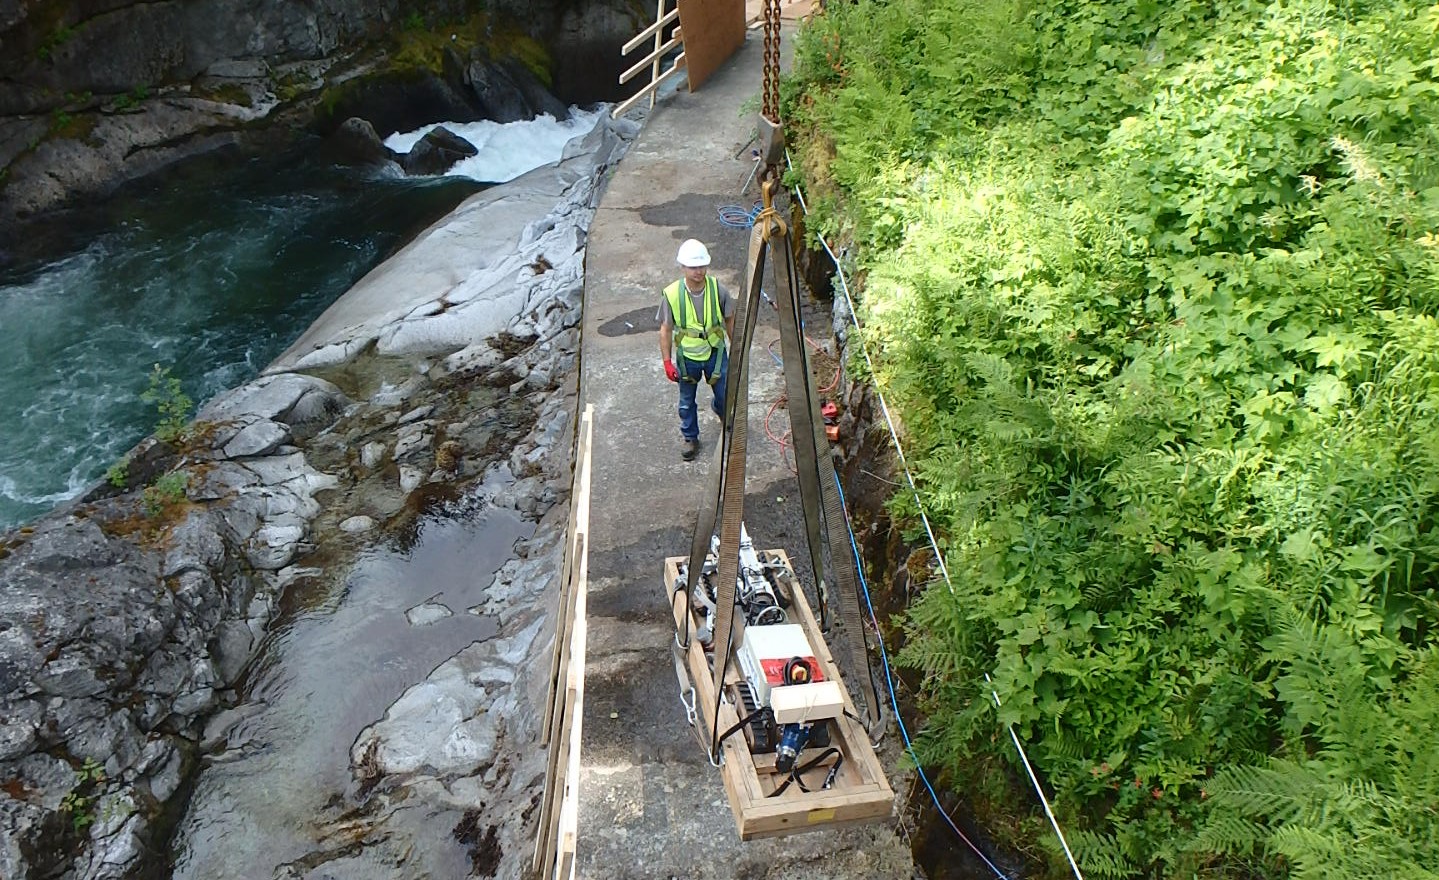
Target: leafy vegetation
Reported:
point(161, 495)
point(171, 403)
point(79, 802)
point(1153, 290)
point(118, 474)
point(421, 46)
point(61, 35)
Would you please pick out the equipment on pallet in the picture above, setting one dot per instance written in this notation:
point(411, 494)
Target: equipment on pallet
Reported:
point(763, 589)
point(759, 660)
point(785, 695)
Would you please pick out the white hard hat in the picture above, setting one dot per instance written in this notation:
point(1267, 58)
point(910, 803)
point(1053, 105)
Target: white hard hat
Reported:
point(693, 254)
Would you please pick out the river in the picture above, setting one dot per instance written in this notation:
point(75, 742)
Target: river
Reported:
point(210, 273)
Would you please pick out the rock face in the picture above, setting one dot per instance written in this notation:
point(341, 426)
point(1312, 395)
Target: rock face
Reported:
point(508, 91)
point(94, 93)
point(126, 619)
point(109, 47)
point(355, 142)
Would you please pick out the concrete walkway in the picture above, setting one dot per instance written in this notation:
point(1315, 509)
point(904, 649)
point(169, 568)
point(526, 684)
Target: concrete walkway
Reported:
point(650, 803)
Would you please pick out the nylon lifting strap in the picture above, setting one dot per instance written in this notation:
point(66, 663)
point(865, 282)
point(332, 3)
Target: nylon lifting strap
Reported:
point(730, 470)
point(819, 492)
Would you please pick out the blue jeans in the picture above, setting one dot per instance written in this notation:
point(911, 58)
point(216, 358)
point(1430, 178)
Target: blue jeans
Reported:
point(691, 372)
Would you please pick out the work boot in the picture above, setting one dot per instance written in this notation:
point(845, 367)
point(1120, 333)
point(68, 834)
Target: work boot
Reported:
point(689, 449)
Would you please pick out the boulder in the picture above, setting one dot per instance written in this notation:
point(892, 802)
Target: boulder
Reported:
point(500, 98)
point(507, 90)
point(437, 152)
point(356, 142)
point(539, 98)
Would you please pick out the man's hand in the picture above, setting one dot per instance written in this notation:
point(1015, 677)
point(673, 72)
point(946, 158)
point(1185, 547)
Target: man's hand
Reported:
point(670, 372)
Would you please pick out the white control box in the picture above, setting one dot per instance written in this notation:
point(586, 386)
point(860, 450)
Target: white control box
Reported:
point(765, 653)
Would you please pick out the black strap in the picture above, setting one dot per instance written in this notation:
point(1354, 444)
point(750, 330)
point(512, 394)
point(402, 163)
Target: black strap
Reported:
point(795, 773)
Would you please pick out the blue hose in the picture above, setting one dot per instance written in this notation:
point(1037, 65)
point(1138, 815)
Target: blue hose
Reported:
point(893, 700)
point(736, 217)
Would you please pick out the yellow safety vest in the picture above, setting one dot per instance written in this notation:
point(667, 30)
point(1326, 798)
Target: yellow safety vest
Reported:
point(699, 335)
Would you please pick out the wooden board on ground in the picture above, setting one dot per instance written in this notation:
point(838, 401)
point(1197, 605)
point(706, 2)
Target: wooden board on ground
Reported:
point(713, 30)
point(860, 792)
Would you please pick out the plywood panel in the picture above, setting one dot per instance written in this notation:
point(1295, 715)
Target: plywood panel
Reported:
point(713, 30)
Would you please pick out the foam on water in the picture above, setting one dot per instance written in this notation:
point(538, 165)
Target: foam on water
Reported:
point(506, 150)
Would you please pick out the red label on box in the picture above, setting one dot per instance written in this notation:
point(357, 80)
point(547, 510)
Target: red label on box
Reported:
point(774, 670)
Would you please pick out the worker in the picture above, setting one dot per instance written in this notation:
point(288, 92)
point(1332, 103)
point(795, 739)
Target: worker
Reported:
point(699, 311)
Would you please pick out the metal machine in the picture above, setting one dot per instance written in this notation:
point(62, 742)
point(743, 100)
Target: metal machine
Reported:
point(787, 700)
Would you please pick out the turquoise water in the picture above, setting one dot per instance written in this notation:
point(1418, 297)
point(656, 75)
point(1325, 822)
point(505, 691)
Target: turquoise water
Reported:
point(211, 274)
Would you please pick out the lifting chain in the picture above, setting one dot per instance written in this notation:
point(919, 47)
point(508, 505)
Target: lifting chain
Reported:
point(769, 100)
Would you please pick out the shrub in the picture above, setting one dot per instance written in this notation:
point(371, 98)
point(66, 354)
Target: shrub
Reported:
point(1153, 291)
point(171, 403)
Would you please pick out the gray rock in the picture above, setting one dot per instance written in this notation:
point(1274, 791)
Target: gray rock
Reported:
point(277, 397)
point(427, 613)
point(233, 645)
point(497, 92)
point(437, 151)
point(414, 415)
point(195, 545)
point(394, 395)
point(221, 480)
point(115, 851)
point(257, 438)
point(471, 359)
point(194, 703)
point(72, 674)
point(356, 525)
point(18, 722)
point(274, 545)
point(165, 781)
point(372, 455)
point(413, 442)
point(410, 478)
point(239, 68)
point(356, 142)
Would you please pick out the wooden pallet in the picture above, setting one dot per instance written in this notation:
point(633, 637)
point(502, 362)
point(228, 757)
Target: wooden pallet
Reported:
point(860, 794)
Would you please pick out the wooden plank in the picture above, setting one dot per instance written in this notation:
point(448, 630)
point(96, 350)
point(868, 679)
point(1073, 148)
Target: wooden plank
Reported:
point(860, 793)
point(562, 624)
point(562, 731)
point(714, 29)
point(643, 93)
point(648, 32)
point(640, 66)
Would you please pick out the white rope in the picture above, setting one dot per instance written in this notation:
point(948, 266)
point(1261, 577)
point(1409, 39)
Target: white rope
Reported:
point(928, 530)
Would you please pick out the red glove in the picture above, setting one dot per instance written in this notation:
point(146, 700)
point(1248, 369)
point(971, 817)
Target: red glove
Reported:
point(670, 372)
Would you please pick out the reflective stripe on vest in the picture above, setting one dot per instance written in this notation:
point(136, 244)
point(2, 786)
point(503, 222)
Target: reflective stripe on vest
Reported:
point(699, 335)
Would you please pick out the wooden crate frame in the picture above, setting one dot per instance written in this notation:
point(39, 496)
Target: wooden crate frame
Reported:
point(861, 792)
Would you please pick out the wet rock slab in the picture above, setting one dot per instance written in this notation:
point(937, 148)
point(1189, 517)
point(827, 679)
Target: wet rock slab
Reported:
point(127, 619)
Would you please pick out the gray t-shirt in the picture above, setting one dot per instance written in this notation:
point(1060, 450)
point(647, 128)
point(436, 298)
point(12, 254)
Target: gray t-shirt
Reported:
point(667, 319)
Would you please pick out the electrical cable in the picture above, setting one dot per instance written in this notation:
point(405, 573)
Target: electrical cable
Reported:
point(933, 542)
point(894, 700)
